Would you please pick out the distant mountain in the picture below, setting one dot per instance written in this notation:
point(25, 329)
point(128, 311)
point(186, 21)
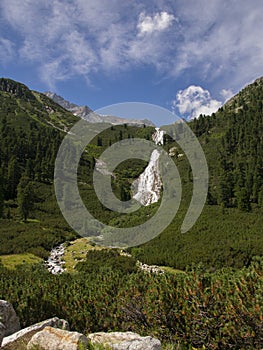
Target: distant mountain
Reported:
point(81, 111)
point(85, 112)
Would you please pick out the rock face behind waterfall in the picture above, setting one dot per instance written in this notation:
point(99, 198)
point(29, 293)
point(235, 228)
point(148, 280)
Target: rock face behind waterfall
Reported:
point(147, 188)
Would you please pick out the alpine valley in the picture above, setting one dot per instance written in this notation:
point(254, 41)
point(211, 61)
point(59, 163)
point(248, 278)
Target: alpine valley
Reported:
point(206, 289)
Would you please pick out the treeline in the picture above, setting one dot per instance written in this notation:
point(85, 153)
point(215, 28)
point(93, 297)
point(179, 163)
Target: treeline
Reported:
point(221, 310)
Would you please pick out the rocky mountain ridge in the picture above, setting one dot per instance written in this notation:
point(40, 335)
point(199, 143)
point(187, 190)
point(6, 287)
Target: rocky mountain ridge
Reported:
point(86, 113)
point(237, 102)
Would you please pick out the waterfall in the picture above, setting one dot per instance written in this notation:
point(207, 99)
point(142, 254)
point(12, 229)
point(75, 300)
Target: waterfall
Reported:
point(147, 188)
point(158, 136)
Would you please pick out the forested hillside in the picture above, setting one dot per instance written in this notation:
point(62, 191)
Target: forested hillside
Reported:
point(229, 231)
point(32, 127)
point(233, 139)
point(30, 139)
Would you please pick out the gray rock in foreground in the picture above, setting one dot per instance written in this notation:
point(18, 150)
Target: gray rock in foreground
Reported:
point(2, 332)
point(125, 341)
point(57, 339)
point(54, 334)
point(9, 322)
point(26, 333)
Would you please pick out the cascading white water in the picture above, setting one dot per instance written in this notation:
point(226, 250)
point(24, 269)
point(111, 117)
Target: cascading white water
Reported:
point(158, 136)
point(54, 263)
point(147, 188)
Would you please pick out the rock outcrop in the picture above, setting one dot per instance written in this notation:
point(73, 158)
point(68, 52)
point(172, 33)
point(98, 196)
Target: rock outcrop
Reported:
point(2, 333)
point(86, 113)
point(150, 268)
point(54, 334)
point(26, 334)
point(125, 341)
point(101, 167)
point(173, 152)
point(52, 338)
point(9, 322)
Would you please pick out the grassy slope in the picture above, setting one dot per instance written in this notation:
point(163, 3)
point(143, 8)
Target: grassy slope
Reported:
point(45, 229)
point(76, 251)
point(14, 260)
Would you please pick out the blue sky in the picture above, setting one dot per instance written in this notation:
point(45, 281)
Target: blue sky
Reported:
point(188, 56)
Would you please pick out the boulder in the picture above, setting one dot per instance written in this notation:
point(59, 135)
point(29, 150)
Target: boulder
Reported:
point(56, 339)
point(125, 341)
point(8, 319)
point(26, 334)
point(2, 332)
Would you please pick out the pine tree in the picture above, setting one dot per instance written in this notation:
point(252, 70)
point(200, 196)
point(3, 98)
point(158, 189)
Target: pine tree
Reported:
point(29, 169)
point(120, 135)
point(13, 175)
point(125, 196)
point(25, 197)
point(243, 202)
point(1, 194)
point(260, 197)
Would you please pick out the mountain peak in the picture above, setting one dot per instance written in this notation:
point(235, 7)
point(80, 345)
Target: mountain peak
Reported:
point(72, 107)
point(245, 96)
point(86, 113)
point(15, 88)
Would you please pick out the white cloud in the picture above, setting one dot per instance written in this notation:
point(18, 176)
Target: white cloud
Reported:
point(212, 42)
point(65, 39)
point(7, 51)
point(158, 22)
point(194, 101)
point(222, 41)
point(226, 94)
point(52, 69)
